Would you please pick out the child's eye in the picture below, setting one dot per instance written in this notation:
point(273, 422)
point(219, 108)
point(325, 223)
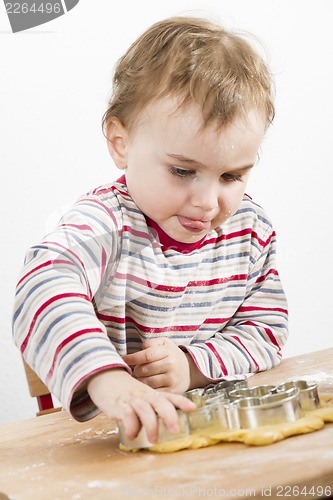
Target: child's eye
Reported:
point(232, 177)
point(181, 172)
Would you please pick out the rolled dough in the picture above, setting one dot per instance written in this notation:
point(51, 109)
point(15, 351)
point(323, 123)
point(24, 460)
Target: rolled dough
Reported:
point(312, 421)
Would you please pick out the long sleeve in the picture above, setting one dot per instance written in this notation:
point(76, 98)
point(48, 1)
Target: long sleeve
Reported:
point(252, 339)
point(107, 279)
point(55, 324)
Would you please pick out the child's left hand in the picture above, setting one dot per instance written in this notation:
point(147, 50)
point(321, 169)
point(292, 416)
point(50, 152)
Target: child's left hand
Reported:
point(161, 365)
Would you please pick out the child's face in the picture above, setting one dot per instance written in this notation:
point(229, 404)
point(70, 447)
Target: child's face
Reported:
point(189, 181)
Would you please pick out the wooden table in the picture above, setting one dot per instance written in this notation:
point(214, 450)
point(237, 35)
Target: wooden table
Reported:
point(53, 457)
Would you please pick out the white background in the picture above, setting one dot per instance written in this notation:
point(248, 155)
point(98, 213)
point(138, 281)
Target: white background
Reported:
point(54, 84)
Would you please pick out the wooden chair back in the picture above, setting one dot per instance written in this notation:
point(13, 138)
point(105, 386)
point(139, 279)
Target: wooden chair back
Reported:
point(39, 390)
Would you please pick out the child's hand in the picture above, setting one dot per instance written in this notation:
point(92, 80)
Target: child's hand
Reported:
point(122, 397)
point(161, 365)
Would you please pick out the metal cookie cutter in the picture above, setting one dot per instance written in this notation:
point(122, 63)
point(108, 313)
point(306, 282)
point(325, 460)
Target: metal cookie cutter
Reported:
point(258, 406)
point(217, 411)
point(199, 396)
point(213, 406)
point(224, 414)
point(274, 408)
point(196, 396)
point(230, 385)
point(308, 393)
point(201, 418)
point(141, 441)
point(253, 392)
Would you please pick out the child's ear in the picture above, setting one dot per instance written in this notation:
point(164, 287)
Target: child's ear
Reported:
point(117, 138)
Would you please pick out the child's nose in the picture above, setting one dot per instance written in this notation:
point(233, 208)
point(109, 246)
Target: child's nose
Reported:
point(205, 196)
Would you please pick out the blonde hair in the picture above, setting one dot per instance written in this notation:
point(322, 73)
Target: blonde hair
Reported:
point(196, 61)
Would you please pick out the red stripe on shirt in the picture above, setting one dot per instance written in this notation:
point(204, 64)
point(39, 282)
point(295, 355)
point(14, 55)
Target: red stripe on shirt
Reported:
point(77, 226)
point(256, 308)
point(147, 329)
point(43, 307)
point(67, 341)
point(45, 264)
point(222, 365)
point(243, 346)
point(270, 271)
point(135, 232)
point(66, 249)
point(103, 262)
point(97, 202)
point(267, 330)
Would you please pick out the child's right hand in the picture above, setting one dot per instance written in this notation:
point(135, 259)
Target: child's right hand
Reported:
point(135, 404)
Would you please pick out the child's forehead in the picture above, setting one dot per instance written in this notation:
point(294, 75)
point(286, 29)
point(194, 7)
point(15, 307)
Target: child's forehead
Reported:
point(168, 130)
point(171, 116)
point(170, 111)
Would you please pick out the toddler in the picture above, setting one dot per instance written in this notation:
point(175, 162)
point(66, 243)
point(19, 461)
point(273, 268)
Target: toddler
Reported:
point(165, 279)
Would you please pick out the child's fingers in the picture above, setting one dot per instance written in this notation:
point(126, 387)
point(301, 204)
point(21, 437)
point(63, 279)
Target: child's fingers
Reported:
point(132, 359)
point(145, 412)
point(149, 369)
point(128, 419)
point(148, 355)
point(148, 418)
point(181, 402)
point(166, 409)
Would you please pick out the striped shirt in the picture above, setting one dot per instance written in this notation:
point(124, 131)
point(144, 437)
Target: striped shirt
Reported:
point(108, 278)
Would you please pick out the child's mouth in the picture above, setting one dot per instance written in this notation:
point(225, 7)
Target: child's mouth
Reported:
point(192, 224)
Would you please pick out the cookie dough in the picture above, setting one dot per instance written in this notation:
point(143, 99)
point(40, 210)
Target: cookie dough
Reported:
point(312, 421)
